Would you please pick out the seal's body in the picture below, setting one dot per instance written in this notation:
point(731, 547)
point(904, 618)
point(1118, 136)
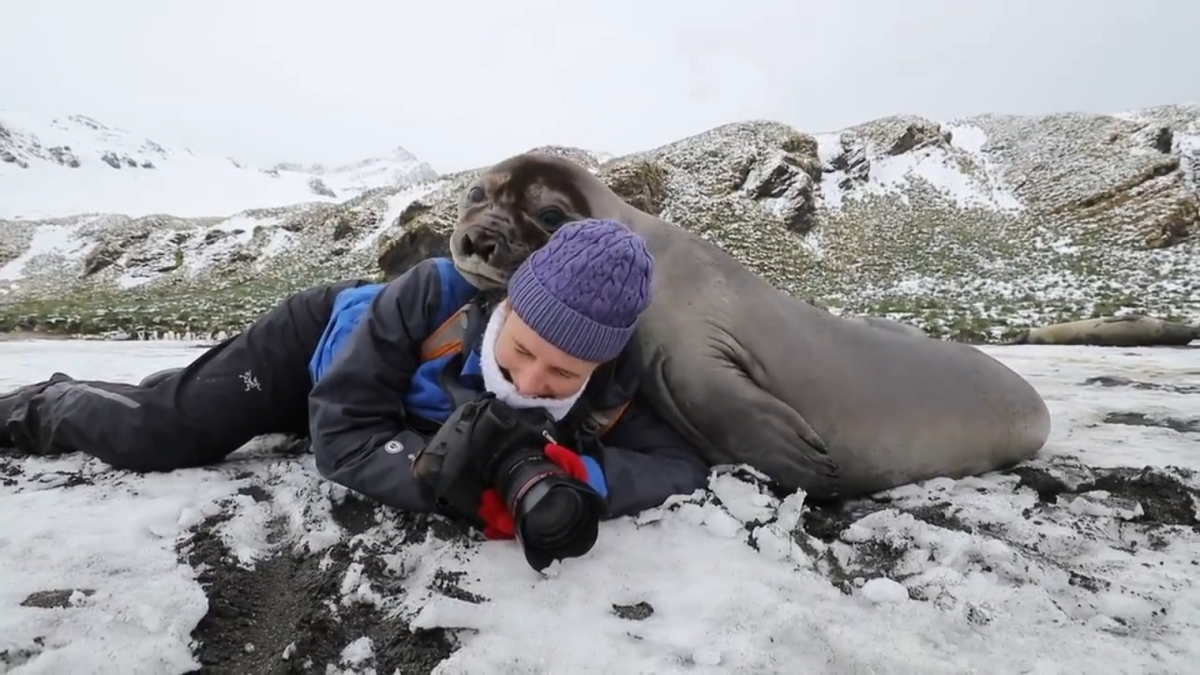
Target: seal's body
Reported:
point(1130, 330)
point(888, 324)
point(750, 374)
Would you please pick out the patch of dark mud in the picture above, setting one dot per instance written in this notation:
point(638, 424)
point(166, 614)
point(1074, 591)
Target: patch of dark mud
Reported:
point(639, 611)
point(1137, 419)
point(871, 560)
point(57, 479)
point(1088, 582)
point(11, 468)
point(446, 583)
point(54, 599)
point(357, 515)
point(940, 515)
point(67, 479)
point(15, 658)
point(1165, 499)
point(1118, 381)
point(277, 617)
point(256, 492)
point(826, 521)
point(10, 471)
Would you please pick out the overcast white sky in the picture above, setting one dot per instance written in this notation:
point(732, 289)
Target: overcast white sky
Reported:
point(465, 83)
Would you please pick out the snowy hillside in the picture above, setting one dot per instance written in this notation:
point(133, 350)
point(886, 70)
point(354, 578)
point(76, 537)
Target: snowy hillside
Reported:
point(972, 229)
point(77, 165)
point(1082, 560)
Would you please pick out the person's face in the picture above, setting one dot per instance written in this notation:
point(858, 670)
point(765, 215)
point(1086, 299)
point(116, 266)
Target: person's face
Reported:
point(537, 368)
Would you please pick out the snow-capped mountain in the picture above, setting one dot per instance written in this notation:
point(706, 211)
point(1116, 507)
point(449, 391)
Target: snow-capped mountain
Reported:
point(73, 165)
point(972, 228)
point(399, 167)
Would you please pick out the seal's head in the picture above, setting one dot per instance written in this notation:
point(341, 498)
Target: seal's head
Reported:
point(511, 210)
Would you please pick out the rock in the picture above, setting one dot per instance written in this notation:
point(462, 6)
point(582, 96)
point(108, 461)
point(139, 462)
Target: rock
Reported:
point(1174, 227)
point(781, 183)
point(851, 161)
point(428, 219)
point(319, 188)
point(919, 133)
point(63, 155)
point(9, 157)
point(1106, 176)
point(415, 245)
point(641, 182)
point(1158, 137)
point(103, 255)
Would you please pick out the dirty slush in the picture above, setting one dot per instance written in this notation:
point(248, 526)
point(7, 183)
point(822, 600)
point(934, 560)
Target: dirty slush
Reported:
point(281, 616)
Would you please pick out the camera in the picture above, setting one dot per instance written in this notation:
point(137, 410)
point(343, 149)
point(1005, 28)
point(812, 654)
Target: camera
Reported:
point(488, 443)
point(556, 516)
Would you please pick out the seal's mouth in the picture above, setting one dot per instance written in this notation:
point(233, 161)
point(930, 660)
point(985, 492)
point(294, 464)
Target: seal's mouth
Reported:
point(483, 257)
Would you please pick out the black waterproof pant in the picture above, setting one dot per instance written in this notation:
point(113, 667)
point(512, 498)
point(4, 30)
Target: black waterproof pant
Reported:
point(254, 383)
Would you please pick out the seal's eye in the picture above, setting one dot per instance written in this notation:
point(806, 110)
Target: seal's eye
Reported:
point(475, 195)
point(552, 217)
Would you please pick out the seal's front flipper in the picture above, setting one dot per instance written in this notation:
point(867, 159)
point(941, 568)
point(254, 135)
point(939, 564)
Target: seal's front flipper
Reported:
point(776, 439)
point(732, 420)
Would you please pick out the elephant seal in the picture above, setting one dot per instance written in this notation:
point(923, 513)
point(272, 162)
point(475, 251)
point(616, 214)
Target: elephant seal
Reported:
point(889, 324)
point(750, 374)
point(1129, 330)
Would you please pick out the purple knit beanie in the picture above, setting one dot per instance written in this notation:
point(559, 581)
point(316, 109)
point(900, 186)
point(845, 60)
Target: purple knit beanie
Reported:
point(585, 289)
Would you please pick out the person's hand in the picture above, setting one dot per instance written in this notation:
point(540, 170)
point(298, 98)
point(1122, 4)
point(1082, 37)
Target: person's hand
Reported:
point(459, 462)
point(498, 523)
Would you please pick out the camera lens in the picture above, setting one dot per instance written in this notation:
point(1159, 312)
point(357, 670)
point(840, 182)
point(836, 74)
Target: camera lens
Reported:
point(556, 516)
point(552, 520)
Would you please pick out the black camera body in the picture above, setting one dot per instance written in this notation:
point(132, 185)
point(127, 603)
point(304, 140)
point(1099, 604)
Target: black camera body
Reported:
point(555, 515)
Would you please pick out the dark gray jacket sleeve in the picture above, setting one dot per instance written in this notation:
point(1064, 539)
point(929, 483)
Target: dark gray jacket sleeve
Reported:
point(644, 461)
point(356, 410)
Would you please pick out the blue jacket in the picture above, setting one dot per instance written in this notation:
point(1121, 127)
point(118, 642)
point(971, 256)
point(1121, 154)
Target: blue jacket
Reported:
point(374, 403)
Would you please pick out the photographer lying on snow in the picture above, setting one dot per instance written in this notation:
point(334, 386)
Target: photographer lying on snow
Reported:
point(517, 416)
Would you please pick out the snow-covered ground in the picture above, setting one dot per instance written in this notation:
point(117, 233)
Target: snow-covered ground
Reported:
point(1066, 565)
point(71, 165)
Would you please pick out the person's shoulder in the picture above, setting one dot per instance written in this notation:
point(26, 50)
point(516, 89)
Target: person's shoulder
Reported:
point(438, 270)
point(614, 385)
point(432, 287)
point(439, 266)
